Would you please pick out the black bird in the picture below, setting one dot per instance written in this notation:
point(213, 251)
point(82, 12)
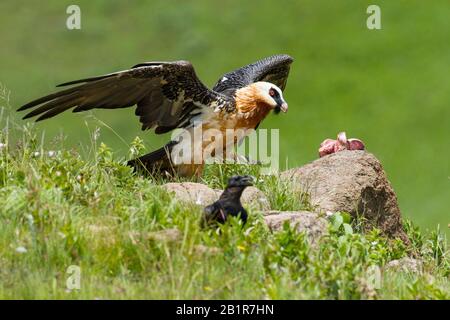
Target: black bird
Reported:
point(169, 95)
point(229, 202)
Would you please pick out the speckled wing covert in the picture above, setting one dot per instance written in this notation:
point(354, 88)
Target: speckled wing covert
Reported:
point(273, 69)
point(167, 94)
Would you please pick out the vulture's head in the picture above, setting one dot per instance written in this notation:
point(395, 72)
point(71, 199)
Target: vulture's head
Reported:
point(271, 95)
point(260, 93)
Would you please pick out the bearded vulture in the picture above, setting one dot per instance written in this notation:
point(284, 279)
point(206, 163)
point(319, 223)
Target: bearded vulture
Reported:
point(169, 95)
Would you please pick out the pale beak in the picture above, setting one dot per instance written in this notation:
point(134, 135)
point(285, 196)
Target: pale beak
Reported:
point(284, 107)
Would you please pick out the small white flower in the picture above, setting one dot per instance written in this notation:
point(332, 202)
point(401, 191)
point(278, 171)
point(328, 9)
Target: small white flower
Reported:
point(329, 213)
point(36, 154)
point(374, 243)
point(2, 146)
point(21, 249)
point(58, 173)
point(79, 177)
point(52, 153)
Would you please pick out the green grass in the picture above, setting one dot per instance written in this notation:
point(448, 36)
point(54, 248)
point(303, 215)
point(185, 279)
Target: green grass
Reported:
point(83, 207)
point(387, 87)
point(63, 209)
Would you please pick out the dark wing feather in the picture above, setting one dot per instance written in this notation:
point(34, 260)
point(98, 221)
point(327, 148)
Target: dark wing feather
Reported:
point(214, 213)
point(167, 95)
point(274, 69)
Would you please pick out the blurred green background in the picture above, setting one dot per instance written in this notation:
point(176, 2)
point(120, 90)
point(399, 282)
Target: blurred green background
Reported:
point(389, 87)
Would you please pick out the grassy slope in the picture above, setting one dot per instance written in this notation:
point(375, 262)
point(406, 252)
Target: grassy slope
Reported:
point(388, 87)
point(61, 209)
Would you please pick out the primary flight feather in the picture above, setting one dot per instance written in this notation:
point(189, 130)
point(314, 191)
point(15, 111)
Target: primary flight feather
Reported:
point(169, 95)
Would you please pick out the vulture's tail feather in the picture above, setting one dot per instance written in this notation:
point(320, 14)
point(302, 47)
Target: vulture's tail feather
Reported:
point(155, 162)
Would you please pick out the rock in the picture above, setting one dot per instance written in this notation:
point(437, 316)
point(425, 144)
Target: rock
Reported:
point(104, 235)
point(303, 221)
point(255, 198)
point(354, 182)
point(98, 229)
point(406, 264)
point(203, 195)
point(197, 193)
point(166, 235)
point(201, 249)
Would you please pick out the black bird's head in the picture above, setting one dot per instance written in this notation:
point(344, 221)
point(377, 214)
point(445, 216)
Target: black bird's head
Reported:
point(240, 181)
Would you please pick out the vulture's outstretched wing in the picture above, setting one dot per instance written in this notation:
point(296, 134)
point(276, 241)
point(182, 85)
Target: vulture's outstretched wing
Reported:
point(274, 69)
point(167, 95)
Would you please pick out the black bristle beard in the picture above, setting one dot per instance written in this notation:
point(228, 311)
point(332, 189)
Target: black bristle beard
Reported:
point(277, 110)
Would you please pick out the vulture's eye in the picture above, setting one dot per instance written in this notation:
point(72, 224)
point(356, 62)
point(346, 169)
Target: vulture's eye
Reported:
point(272, 92)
